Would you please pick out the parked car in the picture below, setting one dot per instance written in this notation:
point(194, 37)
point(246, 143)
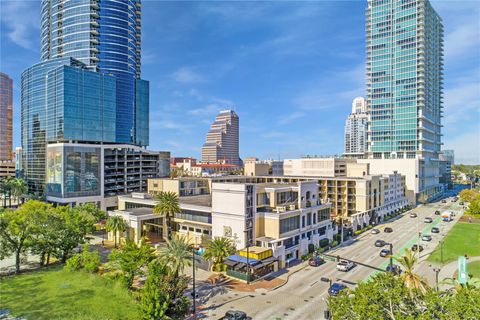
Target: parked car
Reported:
point(413, 215)
point(380, 243)
point(395, 269)
point(461, 203)
point(388, 230)
point(336, 288)
point(437, 212)
point(435, 230)
point(416, 247)
point(428, 220)
point(345, 265)
point(385, 252)
point(235, 315)
point(375, 231)
point(316, 261)
point(427, 237)
point(444, 201)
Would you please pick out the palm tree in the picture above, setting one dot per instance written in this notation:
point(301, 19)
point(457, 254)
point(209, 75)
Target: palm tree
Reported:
point(218, 249)
point(115, 224)
point(19, 189)
point(412, 280)
point(167, 206)
point(6, 186)
point(177, 254)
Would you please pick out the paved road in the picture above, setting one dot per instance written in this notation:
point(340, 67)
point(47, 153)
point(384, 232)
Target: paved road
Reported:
point(303, 297)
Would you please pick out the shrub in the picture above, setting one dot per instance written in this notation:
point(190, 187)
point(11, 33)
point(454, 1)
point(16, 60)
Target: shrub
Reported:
point(91, 262)
point(311, 248)
point(74, 263)
point(323, 243)
point(334, 243)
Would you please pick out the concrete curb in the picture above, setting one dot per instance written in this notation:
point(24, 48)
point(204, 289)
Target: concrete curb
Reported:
point(288, 277)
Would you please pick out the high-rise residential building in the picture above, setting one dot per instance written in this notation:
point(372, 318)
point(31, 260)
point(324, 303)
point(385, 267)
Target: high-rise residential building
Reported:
point(222, 143)
point(106, 36)
point(6, 117)
point(356, 129)
point(404, 90)
point(87, 88)
point(404, 79)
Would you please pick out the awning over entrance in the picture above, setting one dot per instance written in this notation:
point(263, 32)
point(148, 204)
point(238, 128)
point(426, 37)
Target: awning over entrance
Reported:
point(239, 259)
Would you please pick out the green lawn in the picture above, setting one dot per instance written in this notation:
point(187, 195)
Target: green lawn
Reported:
point(463, 238)
point(474, 269)
point(58, 294)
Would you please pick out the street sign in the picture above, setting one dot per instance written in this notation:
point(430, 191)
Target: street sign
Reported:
point(462, 270)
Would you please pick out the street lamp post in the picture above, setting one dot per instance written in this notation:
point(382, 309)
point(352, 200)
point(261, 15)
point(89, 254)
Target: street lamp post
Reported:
point(391, 257)
point(327, 314)
point(193, 276)
point(437, 271)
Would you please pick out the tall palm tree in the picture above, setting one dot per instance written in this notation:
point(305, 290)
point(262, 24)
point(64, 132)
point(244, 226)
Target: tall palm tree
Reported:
point(177, 254)
point(217, 250)
point(412, 280)
point(115, 224)
point(6, 186)
point(19, 189)
point(167, 206)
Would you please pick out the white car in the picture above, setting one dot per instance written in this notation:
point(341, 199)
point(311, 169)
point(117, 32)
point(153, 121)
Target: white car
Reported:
point(345, 265)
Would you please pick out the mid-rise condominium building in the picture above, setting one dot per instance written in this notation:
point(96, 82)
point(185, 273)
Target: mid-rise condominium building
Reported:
point(316, 167)
point(356, 129)
point(6, 117)
point(222, 142)
point(404, 89)
point(255, 167)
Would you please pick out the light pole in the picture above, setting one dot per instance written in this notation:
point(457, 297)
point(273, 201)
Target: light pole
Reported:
point(248, 254)
point(327, 315)
point(194, 293)
point(391, 257)
point(437, 271)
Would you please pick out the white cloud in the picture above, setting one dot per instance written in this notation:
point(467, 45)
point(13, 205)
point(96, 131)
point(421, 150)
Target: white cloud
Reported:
point(20, 19)
point(208, 110)
point(462, 103)
point(168, 124)
point(187, 75)
point(291, 117)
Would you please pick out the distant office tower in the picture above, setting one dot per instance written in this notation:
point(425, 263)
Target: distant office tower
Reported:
point(356, 129)
point(404, 79)
point(6, 117)
point(106, 36)
point(222, 144)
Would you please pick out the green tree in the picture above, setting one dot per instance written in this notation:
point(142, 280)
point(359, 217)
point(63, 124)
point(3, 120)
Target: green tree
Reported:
point(217, 250)
point(469, 195)
point(115, 224)
point(131, 259)
point(386, 296)
point(474, 208)
point(167, 206)
point(18, 229)
point(163, 297)
point(76, 224)
point(412, 280)
point(6, 185)
point(177, 253)
point(46, 241)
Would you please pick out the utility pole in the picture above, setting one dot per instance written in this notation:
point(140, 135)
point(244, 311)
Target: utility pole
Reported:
point(391, 257)
point(437, 271)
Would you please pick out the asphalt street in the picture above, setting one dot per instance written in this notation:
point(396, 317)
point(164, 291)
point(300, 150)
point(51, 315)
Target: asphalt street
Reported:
point(304, 295)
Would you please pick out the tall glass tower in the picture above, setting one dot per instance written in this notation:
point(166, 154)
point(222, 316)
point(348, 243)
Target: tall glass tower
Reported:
point(6, 117)
point(404, 79)
point(106, 36)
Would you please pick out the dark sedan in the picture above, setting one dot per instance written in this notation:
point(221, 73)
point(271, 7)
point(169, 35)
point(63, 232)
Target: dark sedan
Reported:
point(385, 252)
point(417, 247)
point(388, 230)
point(380, 243)
point(435, 230)
point(315, 261)
point(336, 288)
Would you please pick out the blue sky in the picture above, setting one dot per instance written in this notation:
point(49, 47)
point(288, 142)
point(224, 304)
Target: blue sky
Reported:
point(289, 69)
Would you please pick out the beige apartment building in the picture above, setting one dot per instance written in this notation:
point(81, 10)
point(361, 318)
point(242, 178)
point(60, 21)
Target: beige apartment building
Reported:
point(255, 167)
point(182, 186)
point(316, 167)
point(7, 168)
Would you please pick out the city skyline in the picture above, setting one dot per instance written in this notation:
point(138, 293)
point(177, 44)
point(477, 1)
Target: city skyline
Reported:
point(189, 88)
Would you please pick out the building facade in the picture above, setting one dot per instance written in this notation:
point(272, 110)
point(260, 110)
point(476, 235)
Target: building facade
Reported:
point(316, 167)
point(6, 117)
point(255, 167)
point(106, 37)
point(222, 142)
point(355, 133)
point(63, 101)
point(84, 172)
point(404, 86)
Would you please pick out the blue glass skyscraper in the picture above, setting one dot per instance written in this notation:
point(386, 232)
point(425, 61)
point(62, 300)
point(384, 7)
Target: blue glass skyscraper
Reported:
point(106, 36)
point(404, 79)
point(87, 88)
